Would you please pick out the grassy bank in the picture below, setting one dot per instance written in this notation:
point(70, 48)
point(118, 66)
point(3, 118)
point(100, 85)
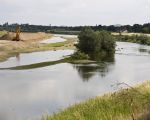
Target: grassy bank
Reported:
point(2, 33)
point(143, 39)
point(129, 34)
point(126, 104)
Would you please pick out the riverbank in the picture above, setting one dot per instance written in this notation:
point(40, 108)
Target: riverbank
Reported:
point(143, 39)
point(31, 43)
point(10, 48)
point(127, 104)
point(129, 34)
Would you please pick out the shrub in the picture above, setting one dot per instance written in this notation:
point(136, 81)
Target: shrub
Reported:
point(79, 56)
point(92, 43)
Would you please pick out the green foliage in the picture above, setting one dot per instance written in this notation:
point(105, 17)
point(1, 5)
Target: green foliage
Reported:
point(87, 40)
point(79, 56)
point(136, 28)
point(148, 42)
point(106, 42)
point(92, 43)
point(146, 29)
point(141, 39)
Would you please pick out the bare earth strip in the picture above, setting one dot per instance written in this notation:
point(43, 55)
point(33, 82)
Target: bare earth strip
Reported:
point(30, 43)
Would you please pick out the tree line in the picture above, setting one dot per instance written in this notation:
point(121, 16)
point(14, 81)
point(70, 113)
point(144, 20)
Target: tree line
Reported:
point(136, 28)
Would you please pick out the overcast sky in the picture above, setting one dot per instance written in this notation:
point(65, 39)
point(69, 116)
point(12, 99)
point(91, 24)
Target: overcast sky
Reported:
point(75, 12)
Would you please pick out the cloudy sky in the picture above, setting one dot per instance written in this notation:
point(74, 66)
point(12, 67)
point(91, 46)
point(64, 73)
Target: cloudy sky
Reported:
point(75, 12)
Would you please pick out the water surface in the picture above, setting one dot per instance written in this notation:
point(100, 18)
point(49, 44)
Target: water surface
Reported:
point(65, 36)
point(29, 94)
point(58, 38)
point(53, 40)
point(35, 57)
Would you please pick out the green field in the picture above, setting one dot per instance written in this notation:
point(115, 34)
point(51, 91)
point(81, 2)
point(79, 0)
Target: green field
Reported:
point(127, 104)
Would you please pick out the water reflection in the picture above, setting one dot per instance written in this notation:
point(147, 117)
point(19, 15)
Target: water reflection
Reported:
point(35, 57)
point(17, 56)
point(142, 50)
point(30, 93)
point(132, 49)
point(88, 71)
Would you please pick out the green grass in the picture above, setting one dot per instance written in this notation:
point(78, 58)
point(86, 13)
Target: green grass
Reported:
point(2, 33)
point(123, 105)
point(49, 63)
point(59, 44)
point(143, 39)
point(37, 65)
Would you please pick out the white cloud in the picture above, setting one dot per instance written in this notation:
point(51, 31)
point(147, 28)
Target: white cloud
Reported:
point(77, 12)
point(149, 1)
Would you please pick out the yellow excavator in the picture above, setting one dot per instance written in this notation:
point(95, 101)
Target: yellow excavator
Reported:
point(17, 37)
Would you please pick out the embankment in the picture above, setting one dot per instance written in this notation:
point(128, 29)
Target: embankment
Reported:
point(128, 104)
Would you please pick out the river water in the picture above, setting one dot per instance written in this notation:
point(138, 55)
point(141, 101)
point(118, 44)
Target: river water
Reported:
point(29, 94)
point(58, 38)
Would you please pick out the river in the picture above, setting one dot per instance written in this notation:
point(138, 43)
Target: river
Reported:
point(30, 94)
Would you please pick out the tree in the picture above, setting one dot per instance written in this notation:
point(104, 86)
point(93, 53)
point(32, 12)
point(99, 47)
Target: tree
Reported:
point(96, 43)
point(137, 28)
point(87, 39)
point(145, 30)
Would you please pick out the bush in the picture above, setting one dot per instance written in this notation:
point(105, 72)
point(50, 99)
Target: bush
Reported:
point(92, 43)
point(148, 42)
point(79, 56)
point(87, 39)
point(142, 39)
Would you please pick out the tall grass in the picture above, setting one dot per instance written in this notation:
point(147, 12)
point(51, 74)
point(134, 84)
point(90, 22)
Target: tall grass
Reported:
point(128, 104)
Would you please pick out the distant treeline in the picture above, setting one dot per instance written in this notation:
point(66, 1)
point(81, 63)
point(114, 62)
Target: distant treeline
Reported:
point(136, 28)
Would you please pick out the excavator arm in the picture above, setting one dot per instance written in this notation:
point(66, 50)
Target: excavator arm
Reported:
point(17, 37)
